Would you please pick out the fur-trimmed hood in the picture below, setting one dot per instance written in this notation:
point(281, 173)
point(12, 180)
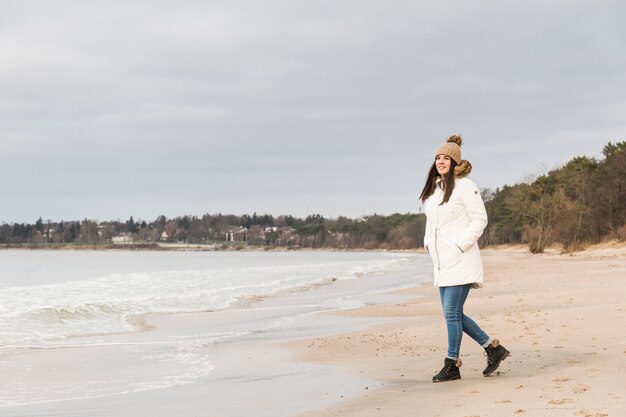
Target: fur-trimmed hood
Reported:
point(463, 169)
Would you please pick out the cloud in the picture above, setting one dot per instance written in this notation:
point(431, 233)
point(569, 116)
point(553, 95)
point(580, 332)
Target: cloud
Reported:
point(243, 106)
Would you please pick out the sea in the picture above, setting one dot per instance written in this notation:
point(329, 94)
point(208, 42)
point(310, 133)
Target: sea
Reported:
point(93, 314)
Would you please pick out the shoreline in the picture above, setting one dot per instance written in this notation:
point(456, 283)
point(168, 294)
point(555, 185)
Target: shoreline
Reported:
point(550, 310)
point(200, 363)
point(598, 249)
point(186, 247)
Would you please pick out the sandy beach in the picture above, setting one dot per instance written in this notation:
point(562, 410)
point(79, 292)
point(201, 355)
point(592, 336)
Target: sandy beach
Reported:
point(561, 316)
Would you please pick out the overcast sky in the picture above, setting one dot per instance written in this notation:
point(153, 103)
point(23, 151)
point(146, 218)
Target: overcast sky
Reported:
point(119, 108)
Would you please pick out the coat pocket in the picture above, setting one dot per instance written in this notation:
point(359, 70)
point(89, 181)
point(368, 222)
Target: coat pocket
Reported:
point(448, 250)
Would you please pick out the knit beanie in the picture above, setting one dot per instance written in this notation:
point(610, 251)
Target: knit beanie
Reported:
point(452, 148)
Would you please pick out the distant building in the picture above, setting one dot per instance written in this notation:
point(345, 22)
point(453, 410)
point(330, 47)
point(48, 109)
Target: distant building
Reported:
point(237, 235)
point(123, 238)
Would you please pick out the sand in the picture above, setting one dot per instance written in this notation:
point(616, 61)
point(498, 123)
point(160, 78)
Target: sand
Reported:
point(563, 318)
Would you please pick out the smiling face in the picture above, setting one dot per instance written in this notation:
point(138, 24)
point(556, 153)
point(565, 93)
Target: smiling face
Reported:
point(442, 163)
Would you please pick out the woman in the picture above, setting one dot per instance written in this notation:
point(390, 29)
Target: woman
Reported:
point(455, 219)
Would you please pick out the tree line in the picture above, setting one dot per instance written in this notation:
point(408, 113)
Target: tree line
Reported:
point(397, 231)
point(580, 203)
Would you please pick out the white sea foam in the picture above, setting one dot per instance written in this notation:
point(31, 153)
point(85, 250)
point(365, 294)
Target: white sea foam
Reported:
point(96, 304)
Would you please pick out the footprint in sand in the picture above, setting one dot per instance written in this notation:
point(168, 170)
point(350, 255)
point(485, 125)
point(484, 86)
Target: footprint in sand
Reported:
point(558, 402)
point(586, 413)
point(581, 388)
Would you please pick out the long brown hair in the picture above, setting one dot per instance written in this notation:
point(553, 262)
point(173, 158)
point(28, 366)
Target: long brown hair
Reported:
point(431, 182)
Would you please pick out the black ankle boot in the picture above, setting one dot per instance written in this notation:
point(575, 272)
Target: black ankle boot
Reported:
point(496, 353)
point(449, 372)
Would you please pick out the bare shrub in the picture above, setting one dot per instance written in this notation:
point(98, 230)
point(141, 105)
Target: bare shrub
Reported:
point(621, 233)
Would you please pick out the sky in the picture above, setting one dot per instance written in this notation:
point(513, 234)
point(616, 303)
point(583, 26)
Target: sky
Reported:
point(117, 109)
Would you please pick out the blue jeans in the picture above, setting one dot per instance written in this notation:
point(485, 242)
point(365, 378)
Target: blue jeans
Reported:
point(452, 300)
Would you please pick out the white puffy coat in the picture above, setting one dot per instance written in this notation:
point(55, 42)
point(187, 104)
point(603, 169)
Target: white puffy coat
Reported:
point(452, 231)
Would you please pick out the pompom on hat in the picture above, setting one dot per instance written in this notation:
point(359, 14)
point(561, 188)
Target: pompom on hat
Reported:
point(452, 148)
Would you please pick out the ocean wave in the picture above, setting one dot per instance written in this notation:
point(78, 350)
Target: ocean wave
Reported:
point(108, 304)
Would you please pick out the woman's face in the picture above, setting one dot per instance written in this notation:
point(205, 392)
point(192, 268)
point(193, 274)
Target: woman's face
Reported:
point(442, 163)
